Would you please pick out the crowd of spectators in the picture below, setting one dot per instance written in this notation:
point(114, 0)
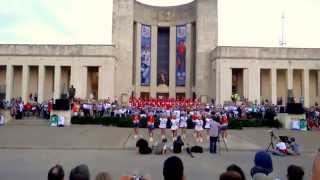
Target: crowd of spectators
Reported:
point(173, 169)
point(242, 110)
point(19, 109)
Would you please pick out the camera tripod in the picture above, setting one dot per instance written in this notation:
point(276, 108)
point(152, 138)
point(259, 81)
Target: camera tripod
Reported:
point(271, 144)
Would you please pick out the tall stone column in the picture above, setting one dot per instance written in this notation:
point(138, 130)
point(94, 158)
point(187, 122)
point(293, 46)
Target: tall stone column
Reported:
point(25, 83)
point(218, 81)
point(75, 80)
point(206, 41)
point(290, 80)
point(84, 82)
point(154, 58)
point(274, 85)
point(122, 37)
point(226, 84)
point(306, 82)
point(254, 84)
point(9, 82)
point(318, 83)
point(41, 77)
point(245, 80)
point(223, 82)
point(188, 61)
point(138, 60)
point(57, 82)
point(106, 81)
point(172, 62)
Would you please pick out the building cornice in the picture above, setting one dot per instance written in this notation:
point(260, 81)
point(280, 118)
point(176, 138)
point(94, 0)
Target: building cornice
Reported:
point(77, 50)
point(275, 53)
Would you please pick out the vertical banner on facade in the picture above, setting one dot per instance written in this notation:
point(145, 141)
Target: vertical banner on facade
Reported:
point(181, 55)
point(145, 55)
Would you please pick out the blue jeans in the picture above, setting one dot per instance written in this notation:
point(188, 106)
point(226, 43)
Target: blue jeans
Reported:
point(213, 144)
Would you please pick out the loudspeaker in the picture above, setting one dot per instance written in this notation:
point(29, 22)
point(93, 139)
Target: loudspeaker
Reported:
point(290, 98)
point(61, 105)
point(295, 108)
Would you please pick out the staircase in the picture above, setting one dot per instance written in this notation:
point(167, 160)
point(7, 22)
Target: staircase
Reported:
point(29, 121)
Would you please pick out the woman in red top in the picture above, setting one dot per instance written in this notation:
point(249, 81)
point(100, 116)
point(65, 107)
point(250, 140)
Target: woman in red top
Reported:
point(224, 126)
point(136, 122)
point(150, 123)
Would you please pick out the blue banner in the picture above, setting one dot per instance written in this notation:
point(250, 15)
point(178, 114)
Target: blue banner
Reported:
point(181, 55)
point(145, 54)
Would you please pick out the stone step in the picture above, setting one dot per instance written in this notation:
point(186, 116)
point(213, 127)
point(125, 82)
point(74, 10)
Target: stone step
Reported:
point(29, 121)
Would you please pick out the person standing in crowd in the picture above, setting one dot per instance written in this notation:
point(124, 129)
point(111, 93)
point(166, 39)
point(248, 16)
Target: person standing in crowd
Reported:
point(262, 165)
point(224, 126)
point(1, 119)
point(237, 169)
point(199, 127)
point(136, 123)
point(230, 175)
point(214, 136)
point(163, 125)
point(183, 124)
point(316, 167)
point(103, 176)
point(80, 172)
point(174, 126)
point(295, 172)
point(150, 123)
point(56, 173)
point(173, 169)
point(208, 124)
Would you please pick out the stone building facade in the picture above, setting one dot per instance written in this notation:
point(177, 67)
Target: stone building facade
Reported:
point(161, 51)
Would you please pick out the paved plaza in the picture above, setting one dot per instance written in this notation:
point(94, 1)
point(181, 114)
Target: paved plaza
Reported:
point(28, 151)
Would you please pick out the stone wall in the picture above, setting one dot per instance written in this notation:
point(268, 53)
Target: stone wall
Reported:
point(165, 16)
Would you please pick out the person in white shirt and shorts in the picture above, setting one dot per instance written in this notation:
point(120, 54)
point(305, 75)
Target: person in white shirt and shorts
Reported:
point(183, 124)
point(174, 126)
point(207, 125)
point(163, 125)
point(199, 127)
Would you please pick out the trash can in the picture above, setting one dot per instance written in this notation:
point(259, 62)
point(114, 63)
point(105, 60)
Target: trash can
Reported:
point(303, 124)
point(54, 120)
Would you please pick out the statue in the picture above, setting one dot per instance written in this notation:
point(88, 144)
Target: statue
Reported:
point(162, 78)
point(72, 92)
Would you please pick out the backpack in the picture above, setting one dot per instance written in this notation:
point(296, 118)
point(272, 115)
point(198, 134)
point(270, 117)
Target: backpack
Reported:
point(197, 149)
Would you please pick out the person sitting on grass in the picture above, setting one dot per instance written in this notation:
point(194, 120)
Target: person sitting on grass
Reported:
point(293, 147)
point(178, 145)
point(161, 148)
point(281, 149)
point(143, 146)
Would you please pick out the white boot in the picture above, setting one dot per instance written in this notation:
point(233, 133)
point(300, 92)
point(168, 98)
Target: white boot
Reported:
point(163, 137)
point(201, 140)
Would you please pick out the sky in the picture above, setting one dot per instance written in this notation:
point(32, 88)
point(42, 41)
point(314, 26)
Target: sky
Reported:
point(241, 22)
